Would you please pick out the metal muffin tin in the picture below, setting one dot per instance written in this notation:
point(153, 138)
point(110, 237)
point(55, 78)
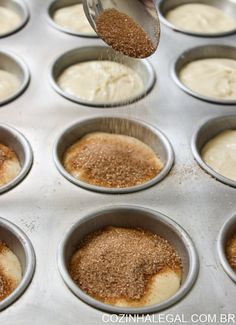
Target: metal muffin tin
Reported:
point(20, 8)
point(131, 217)
point(84, 54)
point(46, 205)
point(11, 63)
point(58, 4)
point(21, 246)
point(18, 143)
point(198, 53)
point(226, 232)
point(208, 130)
point(146, 133)
point(228, 6)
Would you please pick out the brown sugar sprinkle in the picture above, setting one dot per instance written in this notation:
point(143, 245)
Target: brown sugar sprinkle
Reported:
point(118, 263)
point(123, 34)
point(6, 285)
point(113, 161)
point(231, 252)
point(3, 247)
point(5, 154)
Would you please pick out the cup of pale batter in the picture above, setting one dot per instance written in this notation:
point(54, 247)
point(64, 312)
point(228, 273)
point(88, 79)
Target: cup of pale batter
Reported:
point(16, 157)
point(168, 288)
point(208, 72)
point(69, 17)
point(100, 77)
point(227, 233)
point(214, 148)
point(108, 141)
point(211, 18)
point(14, 77)
point(17, 262)
point(14, 15)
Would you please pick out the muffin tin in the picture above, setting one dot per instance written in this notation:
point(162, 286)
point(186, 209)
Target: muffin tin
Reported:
point(149, 135)
point(20, 8)
point(227, 6)
point(85, 54)
point(132, 217)
point(46, 205)
point(21, 246)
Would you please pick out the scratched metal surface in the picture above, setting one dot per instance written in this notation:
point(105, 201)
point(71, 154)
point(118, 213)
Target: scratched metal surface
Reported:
point(45, 204)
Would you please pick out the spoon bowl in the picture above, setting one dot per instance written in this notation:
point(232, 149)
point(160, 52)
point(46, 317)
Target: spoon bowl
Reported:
point(143, 12)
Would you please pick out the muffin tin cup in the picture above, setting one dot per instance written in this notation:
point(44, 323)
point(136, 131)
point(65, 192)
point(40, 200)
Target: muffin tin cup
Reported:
point(18, 143)
point(134, 217)
point(203, 52)
point(11, 63)
point(91, 53)
point(116, 125)
point(227, 6)
point(20, 8)
point(226, 232)
point(204, 133)
point(21, 246)
point(58, 4)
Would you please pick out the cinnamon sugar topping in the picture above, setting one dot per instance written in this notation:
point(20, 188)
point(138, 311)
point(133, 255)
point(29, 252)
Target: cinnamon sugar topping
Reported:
point(9, 165)
point(5, 153)
point(231, 252)
point(111, 160)
point(118, 263)
point(6, 285)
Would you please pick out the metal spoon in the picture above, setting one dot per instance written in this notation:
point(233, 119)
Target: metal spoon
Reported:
point(143, 12)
